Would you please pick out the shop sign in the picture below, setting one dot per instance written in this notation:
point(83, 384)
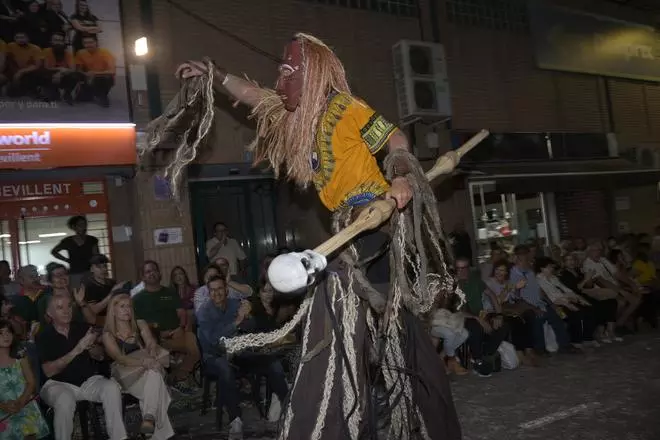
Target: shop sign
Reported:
point(573, 41)
point(30, 146)
point(34, 190)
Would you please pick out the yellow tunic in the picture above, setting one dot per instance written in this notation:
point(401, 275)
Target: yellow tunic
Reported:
point(348, 136)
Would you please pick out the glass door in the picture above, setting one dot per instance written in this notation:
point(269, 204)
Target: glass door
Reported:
point(38, 236)
point(247, 207)
point(506, 220)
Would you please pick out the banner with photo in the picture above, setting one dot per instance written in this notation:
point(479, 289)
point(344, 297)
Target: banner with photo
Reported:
point(62, 61)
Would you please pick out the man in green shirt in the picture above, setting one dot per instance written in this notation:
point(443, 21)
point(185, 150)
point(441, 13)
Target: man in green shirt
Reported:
point(161, 308)
point(486, 331)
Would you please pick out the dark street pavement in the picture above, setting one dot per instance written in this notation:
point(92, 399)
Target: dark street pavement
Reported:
point(612, 393)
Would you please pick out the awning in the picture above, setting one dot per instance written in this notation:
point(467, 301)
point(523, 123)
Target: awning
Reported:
point(561, 175)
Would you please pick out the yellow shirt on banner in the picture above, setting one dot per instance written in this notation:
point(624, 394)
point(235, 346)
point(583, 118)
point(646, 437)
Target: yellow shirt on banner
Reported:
point(23, 56)
point(348, 136)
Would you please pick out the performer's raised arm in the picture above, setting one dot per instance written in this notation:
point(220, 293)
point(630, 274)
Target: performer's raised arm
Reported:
point(242, 90)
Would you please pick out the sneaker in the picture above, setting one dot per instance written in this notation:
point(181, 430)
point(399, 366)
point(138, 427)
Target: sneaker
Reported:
point(184, 389)
point(617, 339)
point(236, 429)
point(482, 369)
point(591, 344)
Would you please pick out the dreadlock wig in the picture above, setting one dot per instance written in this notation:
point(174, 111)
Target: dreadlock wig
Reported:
point(286, 139)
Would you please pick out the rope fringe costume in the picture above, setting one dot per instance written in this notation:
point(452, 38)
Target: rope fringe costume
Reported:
point(365, 354)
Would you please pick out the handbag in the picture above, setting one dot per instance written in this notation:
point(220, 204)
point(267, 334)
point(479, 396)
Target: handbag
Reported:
point(127, 375)
point(445, 318)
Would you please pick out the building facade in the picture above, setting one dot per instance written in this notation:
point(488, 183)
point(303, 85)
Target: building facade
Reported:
point(495, 84)
point(67, 141)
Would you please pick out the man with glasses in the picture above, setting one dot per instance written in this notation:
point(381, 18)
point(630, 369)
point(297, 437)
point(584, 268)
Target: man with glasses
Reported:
point(487, 331)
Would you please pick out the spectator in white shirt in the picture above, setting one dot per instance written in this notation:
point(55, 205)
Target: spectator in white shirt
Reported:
point(575, 310)
point(605, 274)
point(235, 290)
point(222, 246)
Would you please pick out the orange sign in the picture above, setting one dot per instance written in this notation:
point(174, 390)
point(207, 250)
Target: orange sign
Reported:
point(52, 198)
point(33, 146)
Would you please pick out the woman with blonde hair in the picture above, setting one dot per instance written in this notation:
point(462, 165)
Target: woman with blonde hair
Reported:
point(139, 364)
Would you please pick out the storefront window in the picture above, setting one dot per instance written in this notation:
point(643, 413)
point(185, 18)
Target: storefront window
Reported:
point(37, 236)
point(506, 220)
point(5, 245)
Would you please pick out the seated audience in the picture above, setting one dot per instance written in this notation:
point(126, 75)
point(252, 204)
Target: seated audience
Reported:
point(523, 275)
point(270, 313)
point(504, 297)
point(132, 346)
point(99, 67)
point(496, 255)
point(606, 275)
point(487, 331)
point(98, 287)
point(64, 349)
point(236, 286)
point(60, 77)
point(602, 299)
point(180, 282)
point(160, 307)
point(7, 285)
point(236, 290)
point(58, 277)
point(224, 317)
point(577, 311)
point(20, 416)
point(26, 302)
point(450, 328)
point(23, 63)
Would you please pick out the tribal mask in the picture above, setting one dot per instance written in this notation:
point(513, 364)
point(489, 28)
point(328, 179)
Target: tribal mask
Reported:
point(290, 81)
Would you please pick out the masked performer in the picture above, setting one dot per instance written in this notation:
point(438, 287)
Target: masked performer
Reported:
point(362, 330)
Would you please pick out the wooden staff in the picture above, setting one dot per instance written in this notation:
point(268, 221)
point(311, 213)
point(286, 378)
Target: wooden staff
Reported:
point(379, 211)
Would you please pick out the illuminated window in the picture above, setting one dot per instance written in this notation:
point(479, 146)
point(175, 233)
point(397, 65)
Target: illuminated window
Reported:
point(506, 15)
point(402, 8)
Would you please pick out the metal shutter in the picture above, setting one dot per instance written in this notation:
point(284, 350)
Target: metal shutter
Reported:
point(583, 214)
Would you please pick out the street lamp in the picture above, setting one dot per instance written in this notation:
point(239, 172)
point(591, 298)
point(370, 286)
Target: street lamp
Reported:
point(141, 47)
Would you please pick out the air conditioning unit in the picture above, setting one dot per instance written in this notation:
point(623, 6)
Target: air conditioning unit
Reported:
point(420, 74)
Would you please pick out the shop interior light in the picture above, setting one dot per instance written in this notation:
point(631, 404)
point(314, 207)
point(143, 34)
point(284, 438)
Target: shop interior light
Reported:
point(54, 234)
point(141, 47)
point(29, 242)
point(5, 235)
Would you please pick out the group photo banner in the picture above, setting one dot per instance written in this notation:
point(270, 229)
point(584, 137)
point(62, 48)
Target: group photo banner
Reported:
point(62, 61)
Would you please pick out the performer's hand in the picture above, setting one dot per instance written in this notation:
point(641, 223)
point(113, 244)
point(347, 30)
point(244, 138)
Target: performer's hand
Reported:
point(400, 191)
point(191, 69)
